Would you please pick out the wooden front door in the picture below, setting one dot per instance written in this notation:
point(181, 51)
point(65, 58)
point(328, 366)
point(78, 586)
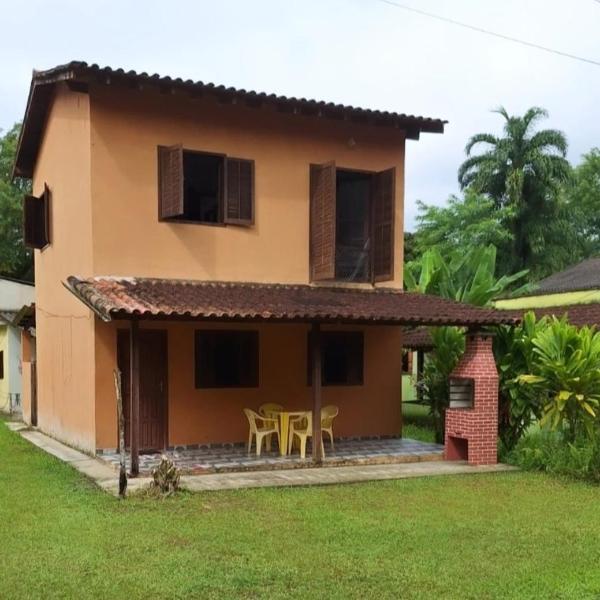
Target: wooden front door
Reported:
point(153, 386)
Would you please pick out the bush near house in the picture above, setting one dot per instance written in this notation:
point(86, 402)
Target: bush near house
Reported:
point(559, 384)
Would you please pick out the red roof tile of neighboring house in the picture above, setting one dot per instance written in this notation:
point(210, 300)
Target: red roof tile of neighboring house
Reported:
point(417, 339)
point(118, 297)
point(582, 276)
point(77, 73)
point(577, 314)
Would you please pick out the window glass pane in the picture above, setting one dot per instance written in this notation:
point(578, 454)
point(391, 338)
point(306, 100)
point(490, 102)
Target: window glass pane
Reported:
point(226, 359)
point(342, 356)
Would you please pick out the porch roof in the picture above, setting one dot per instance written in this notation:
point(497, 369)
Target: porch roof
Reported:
point(126, 297)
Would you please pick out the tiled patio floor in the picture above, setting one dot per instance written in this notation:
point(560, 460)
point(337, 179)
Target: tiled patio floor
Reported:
point(347, 452)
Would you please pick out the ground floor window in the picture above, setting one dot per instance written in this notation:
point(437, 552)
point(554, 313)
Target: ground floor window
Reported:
point(342, 354)
point(226, 358)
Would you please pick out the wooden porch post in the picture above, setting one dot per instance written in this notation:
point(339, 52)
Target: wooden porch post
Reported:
point(316, 386)
point(134, 395)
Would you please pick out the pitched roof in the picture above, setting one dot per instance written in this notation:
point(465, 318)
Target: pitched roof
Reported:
point(78, 73)
point(577, 314)
point(120, 297)
point(582, 276)
point(417, 339)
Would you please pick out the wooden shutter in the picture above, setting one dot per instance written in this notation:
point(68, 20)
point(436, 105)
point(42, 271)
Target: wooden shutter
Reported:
point(36, 217)
point(239, 191)
point(384, 194)
point(46, 196)
point(322, 221)
point(170, 181)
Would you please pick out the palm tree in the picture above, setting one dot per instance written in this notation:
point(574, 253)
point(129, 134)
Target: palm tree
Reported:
point(521, 170)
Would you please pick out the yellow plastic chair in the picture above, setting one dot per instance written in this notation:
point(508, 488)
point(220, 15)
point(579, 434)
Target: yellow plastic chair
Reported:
point(272, 410)
point(260, 427)
point(301, 427)
point(328, 414)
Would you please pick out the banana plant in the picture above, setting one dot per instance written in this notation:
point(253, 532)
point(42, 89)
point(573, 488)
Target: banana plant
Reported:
point(463, 276)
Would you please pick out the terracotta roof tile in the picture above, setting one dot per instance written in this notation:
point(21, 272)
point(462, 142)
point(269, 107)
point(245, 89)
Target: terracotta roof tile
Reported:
point(118, 297)
point(582, 276)
point(417, 339)
point(577, 314)
point(42, 84)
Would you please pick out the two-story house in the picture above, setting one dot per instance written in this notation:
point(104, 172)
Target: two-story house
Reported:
point(223, 248)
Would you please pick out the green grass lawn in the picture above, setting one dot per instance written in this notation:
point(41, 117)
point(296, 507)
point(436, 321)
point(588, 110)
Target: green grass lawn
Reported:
point(511, 535)
point(417, 422)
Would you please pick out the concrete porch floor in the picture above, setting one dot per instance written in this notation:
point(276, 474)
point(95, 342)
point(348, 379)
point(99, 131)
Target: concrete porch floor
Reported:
point(105, 476)
point(236, 458)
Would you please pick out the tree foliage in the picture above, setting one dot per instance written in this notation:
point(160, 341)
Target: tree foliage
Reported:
point(582, 205)
point(15, 259)
point(521, 171)
point(472, 220)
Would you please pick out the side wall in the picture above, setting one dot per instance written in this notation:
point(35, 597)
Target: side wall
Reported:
point(27, 356)
point(215, 415)
point(129, 125)
point(64, 326)
point(4, 382)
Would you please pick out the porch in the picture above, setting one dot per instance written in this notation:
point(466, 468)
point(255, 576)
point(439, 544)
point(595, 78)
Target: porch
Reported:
point(275, 345)
point(235, 457)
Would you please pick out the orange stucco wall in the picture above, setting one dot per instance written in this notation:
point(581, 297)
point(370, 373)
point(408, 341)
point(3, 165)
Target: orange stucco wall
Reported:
point(99, 157)
point(64, 326)
point(127, 127)
point(215, 415)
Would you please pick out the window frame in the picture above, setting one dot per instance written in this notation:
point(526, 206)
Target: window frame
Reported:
point(222, 199)
point(45, 199)
point(331, 333)
point(254, 381)
point(1, 364)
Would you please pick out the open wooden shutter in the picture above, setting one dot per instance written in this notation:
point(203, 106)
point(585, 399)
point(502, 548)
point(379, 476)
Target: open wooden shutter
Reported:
point(239, 191)
point(384, 194)
point(170, 181)
point(322, 221)
point(36, 217)
point(46, 197)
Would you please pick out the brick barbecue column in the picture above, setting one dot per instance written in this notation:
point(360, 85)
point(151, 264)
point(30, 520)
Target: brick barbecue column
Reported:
point(472, 433)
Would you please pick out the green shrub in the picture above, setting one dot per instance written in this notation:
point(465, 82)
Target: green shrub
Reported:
point(551, 452)
point(519, 405)
point(565, 372)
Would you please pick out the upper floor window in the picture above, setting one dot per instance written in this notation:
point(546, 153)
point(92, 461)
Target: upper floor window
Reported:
point(198, 187)
point(352, 224)
point(36, 220)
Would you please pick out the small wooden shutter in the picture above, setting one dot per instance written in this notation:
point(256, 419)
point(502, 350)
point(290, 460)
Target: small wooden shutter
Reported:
point(170, 181)
point(322, 221)
point(239, 191)
point(46, 196)
point(384, 194)
point(36, 216)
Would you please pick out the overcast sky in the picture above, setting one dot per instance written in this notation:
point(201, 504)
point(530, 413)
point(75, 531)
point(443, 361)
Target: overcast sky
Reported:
point(360, 52)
